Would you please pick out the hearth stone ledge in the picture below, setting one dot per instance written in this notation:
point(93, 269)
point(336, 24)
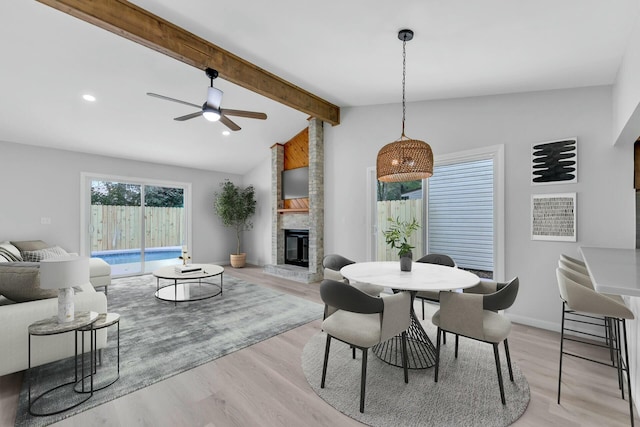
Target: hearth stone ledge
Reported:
point(292, 272)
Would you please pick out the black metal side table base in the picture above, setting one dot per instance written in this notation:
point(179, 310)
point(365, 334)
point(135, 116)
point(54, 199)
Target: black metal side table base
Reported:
point(104, 320)
point(420, 349)
point(51, 327)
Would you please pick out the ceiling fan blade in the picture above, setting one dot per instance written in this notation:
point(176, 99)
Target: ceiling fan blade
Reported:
point(166, 98)
point(242, 113)
point(188, 116)
point(229, 123)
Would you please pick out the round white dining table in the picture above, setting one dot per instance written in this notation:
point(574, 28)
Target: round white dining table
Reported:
point(422, 277)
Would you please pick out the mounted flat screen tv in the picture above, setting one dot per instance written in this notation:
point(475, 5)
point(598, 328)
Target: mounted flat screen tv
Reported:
point(295, 183)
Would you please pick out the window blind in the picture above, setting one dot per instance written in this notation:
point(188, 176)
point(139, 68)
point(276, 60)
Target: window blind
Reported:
point(460, 213)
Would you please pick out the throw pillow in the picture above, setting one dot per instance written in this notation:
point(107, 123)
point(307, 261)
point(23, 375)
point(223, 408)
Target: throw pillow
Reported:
point(29, 245)
point(20, 282)
point(40, 254)
point(9, 251)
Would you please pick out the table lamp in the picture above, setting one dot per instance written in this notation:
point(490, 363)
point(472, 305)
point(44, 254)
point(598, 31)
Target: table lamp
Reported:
point(63, 274)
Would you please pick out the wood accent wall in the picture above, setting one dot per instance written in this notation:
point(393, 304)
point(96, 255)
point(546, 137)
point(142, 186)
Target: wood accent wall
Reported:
point(296, 155)
point(296, 151)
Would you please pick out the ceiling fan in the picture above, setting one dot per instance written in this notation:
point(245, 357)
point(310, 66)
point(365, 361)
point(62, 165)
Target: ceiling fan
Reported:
point(211, 110)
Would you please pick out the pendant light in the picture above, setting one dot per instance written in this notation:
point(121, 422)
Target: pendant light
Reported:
point(404, 159)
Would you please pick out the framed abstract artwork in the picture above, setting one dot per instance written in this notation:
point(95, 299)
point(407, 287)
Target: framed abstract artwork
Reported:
point(554, 162)
point(553, 217)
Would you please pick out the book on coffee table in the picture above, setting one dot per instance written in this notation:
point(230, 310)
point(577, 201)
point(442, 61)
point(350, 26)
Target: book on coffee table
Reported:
point(187, 268)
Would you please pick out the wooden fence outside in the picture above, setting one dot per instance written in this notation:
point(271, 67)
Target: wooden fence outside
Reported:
point(118, 227)
point(405, 210)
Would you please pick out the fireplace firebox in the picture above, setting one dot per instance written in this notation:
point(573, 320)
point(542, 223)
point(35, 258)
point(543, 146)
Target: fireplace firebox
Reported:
point(296, 247)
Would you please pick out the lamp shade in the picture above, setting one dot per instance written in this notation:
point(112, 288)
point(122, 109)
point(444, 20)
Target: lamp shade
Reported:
point(64, 272)
point(404, 160)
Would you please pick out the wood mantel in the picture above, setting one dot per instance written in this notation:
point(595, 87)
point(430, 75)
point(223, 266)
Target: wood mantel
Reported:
point(293, 210)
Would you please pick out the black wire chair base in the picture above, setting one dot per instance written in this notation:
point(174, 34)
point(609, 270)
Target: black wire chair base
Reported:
point(421, 353)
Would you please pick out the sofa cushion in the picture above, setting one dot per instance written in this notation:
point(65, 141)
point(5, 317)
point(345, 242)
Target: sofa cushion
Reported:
point(40, 254)
point(19, 282)
point(29, 245)
point(9, 252)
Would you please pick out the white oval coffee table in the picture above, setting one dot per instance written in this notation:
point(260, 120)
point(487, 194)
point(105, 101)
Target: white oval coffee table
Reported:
point(188, 286)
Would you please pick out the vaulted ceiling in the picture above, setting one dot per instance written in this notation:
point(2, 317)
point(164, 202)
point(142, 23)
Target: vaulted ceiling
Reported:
point(345, 52)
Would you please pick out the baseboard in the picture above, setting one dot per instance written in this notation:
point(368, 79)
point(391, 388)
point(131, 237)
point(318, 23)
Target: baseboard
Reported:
point(536, 323)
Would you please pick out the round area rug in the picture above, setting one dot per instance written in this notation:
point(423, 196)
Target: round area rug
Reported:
point(466, 394)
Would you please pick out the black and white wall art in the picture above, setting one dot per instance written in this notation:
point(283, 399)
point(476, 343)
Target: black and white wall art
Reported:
point(555, 162)
point(553, 217)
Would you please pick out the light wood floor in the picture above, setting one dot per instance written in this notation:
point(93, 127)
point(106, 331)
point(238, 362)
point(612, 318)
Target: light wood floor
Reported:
point(263, 385)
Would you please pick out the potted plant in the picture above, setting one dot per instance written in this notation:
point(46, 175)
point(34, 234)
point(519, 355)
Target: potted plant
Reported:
point(397, 236)
point(235, 206)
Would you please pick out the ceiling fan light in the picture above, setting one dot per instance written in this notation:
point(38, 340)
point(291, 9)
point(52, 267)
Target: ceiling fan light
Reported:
point(211, 114)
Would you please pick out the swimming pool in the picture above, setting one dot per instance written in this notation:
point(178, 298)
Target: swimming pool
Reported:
point(127, 256)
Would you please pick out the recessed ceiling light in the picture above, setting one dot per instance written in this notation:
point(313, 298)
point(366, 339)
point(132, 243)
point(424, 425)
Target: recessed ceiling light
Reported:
point(226, 132)
point(89, 98)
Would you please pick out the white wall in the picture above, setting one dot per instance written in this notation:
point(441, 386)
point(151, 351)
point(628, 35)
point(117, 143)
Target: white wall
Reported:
point(626, 92)
point(606, 209)
point(257, 242)
point(39, 182)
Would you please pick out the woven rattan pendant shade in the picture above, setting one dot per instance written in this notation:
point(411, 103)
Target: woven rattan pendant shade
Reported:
point(405, 159)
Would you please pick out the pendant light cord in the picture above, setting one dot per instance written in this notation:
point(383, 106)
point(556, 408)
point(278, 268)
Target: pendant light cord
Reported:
point(404, 73)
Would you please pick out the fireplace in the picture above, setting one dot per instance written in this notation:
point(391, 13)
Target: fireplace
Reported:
point(296, 247)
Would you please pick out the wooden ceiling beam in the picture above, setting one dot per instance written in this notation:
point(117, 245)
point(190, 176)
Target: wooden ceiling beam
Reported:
point(141, 26)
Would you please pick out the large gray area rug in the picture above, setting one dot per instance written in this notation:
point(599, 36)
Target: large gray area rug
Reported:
point(466, 394)
point(159, 340)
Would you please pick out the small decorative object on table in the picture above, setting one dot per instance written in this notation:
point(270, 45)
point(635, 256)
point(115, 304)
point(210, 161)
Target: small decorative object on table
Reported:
point(397, 236)
point(185, 256)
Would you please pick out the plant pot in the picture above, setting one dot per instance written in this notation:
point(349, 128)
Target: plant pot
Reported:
point(238, 260)
point(405, 261)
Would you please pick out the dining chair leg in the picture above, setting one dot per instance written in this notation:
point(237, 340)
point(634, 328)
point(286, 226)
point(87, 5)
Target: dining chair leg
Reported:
point(497, 357)
point(435, 373)
point(353, 352)
point(561, 351)
point(444, 338)
point(326, 359)
point(404, 357)
point(456, 350)
point(363, 379)
point(422, 299)
point(626, 360)
point(506, 351)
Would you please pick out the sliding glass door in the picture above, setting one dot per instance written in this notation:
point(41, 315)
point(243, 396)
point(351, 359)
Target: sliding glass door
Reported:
point(134, 225)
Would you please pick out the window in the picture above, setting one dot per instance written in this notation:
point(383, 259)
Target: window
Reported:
point(462, 210)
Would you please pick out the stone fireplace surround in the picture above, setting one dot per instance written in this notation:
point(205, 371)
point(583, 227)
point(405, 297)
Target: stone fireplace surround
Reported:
point(313, 220)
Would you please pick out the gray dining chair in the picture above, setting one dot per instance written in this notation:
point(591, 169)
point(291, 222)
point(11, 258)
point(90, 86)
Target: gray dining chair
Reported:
point(331, 270)
point(440, 259)
point(475, 316)
point(363, 321)
point(581, 304)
